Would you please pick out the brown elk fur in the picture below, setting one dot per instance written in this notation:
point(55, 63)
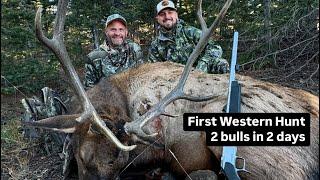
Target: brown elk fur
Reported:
point(148, 83)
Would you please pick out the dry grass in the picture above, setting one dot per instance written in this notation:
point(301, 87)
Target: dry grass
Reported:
point(14, 151)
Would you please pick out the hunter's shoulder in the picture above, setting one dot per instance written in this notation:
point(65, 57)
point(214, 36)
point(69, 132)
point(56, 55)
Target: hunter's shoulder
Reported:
point(134, 46)
point(96, 54)
point(191, 31)
point(187, 29)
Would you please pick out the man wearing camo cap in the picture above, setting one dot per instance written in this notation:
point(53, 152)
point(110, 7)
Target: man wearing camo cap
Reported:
point(176, 41)
point(115, 55)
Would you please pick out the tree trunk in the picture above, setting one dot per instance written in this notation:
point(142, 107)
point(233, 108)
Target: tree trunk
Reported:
point(267, 22)
point(95, 37)
point(94, 31)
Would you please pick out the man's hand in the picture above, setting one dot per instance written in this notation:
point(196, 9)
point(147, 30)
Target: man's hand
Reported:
point(221, 67)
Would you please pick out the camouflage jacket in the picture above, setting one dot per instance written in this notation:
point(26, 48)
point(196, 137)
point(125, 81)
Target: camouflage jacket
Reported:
point(106, 61)
point(177, 45)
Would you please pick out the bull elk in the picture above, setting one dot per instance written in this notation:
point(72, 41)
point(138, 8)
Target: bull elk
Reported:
point(139, 105)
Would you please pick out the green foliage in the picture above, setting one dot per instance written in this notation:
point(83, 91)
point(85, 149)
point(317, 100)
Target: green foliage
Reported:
point(22, 63)
point(30, 75)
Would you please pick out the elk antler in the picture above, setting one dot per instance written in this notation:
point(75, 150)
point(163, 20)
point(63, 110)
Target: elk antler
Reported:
point(135, 127)
point(56, 45)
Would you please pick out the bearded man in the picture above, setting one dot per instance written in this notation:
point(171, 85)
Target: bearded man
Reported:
point(115, 55)
point(177, 40)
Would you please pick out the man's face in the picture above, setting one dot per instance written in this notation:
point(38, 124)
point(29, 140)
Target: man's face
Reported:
point(167, 18)
point(116, 32)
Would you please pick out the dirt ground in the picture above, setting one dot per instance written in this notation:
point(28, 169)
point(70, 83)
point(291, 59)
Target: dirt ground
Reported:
point(35, 159)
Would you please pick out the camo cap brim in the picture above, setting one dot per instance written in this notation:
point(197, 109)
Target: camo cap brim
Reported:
point(116, 17)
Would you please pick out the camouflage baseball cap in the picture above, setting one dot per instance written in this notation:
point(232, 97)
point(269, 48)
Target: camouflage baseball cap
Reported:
point(116, 17)
point(165, 4)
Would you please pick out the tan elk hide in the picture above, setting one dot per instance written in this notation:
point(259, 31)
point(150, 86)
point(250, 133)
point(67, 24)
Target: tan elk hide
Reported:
point(151, 82)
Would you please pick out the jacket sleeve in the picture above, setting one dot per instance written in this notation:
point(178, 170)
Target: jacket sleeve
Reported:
point(153, 54)
point(92, 75)
point(212, 53)
point(138, 55)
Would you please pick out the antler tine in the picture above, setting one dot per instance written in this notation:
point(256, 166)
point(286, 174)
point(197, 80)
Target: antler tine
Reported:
point(60, 19)
point(39, 32)
point(135, 127)
point(222, 13)
point(60, 123)
point(56, 45)
point(200, 17)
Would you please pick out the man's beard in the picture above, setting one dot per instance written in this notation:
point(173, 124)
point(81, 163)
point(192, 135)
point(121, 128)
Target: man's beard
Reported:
point(115, 41)
point(169, 24)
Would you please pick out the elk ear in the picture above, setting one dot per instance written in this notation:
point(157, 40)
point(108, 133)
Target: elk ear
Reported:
point(63, 123)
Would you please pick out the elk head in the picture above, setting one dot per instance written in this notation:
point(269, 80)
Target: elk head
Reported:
point(92, 151)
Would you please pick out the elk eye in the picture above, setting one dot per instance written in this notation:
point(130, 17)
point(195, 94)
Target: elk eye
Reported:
point(110, 163)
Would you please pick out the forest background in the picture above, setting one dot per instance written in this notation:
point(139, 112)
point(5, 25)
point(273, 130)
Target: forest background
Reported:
point(278, 42)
